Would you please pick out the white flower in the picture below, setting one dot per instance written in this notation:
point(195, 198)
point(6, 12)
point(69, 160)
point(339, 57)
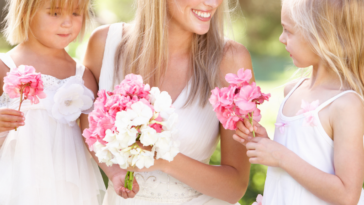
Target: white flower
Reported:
point(170, 123)
point(170, 153)
point(142, 158)
point(163, 102)
point(164, 140)
point(103, 154)
point(122, 158)
point(140, 114)
point(124, 119)
point(148, 136)
point(126, 137)
point(153, 94)
point(69, 101)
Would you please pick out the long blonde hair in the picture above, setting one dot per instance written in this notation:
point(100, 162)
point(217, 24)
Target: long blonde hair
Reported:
point(21, 12)
point(335, 28)
point(144, 48)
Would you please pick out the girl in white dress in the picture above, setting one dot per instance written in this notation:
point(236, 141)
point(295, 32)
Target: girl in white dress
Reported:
point(317, 156)
point(179, 46)
point(45, 162)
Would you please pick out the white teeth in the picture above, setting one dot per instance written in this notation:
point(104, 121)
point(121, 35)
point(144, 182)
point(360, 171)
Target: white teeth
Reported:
point(202, 14)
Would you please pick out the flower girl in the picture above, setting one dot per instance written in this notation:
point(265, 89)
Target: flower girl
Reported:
point(45, 162)
point(317, 155)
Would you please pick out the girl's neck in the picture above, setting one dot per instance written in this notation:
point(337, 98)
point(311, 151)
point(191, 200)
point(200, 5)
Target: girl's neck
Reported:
point(179, 40)
point(322, 75)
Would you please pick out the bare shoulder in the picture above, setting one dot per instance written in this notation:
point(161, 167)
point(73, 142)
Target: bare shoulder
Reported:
point(3, 70)
point(90, 81)
point(236, 56)
point(350, 104)
point(95, 50)
point(290, 85)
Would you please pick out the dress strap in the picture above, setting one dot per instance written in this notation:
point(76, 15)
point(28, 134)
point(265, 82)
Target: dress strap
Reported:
point(113, 40)
point(293, 89)
point(80, 69)
point(329, 101)
point(4, 57)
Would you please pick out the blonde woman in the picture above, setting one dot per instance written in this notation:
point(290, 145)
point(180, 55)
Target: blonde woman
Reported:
point(179, 46)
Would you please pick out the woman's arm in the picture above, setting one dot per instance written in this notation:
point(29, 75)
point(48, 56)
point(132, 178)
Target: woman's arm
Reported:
point(343, 187)
point(93, 60)
point(228, 181)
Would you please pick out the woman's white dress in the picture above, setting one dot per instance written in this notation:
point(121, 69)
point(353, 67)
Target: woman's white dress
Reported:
point(312, 144)
point(46, 161)
point(198, 133)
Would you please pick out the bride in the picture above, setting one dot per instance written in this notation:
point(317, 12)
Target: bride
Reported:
point(179, 46)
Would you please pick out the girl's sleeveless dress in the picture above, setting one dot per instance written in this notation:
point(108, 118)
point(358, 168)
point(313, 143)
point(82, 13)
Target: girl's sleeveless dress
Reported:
point(198, 133)
point(312, 144)
point(46, 161)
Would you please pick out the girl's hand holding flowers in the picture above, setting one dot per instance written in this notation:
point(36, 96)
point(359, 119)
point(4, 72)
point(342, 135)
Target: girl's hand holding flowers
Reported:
point(244, 131)
point(10, 119)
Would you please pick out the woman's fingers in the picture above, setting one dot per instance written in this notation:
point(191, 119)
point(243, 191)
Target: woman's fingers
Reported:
point(248, 125)
point(11, 112)
point(243, 135)
point(242, 128)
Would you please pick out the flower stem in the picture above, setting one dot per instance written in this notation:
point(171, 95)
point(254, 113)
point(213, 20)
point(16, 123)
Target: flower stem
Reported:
point(251, 122)
point(129, 178)
point(21, 100)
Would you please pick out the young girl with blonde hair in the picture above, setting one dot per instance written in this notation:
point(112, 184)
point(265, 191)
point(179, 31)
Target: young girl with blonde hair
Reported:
point(179, 46)
point(45, 162)
point(317, 156)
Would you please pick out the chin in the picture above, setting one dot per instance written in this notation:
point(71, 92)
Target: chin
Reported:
point(201, 30)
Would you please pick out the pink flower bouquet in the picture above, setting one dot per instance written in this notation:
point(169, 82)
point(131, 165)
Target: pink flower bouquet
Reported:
point(238, 101)
point(25, 83)
point(130, 116)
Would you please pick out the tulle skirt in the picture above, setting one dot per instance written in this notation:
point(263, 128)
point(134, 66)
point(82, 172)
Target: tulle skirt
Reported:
point(47, 163)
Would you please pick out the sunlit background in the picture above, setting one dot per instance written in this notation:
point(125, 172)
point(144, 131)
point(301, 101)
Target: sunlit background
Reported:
point(256, 24)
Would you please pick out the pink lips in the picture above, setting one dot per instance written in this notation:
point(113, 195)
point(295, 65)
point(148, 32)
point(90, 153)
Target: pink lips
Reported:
point(202, 18)
point(63, 35)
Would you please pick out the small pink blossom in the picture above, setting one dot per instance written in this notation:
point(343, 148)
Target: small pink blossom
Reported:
point(307, 107)
point(246, 96)
point(157, 127)
point(259, 200)
point(215, 98)
point(241, 79)
point(281, 126)
point(24, 81)
point(227, 97)
point(309, 120)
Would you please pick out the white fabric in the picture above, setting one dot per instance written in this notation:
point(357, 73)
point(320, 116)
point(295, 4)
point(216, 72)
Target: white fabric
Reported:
point(198, 133)
point(313, 145)
point(46, 162)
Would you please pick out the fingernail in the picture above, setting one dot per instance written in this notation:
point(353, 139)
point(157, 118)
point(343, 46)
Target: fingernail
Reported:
point(128, 191)
point(247, 132)
point(23, 118)
point(251, 129)
point(249, 138)
point(242, 140)
point(22, 114)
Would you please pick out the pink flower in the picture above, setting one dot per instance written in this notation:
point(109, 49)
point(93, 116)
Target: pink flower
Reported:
point(24, 81)
point(227, 96)
point(246, 96)
point(133, 85)
point(228, 119)
point(157, 127)
point(215, 98)
point(259, 200)
point(241, 79)
point(307, 107)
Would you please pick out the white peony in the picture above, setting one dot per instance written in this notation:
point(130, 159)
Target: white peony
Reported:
point(70, 100)
point(103, 154)
point(153, 94)
point(169, 153)
point(142, 158)
point(122, 158)
point(163, 102)
point(148, 136)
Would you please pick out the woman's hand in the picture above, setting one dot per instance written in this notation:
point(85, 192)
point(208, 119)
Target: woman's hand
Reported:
point(10, 119)
point(265, 151)
point(244, 131)
point(118, 180)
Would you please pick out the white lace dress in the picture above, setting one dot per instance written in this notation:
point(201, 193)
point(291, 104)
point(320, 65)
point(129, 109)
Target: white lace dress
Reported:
point(46, 161)
point(198, 133)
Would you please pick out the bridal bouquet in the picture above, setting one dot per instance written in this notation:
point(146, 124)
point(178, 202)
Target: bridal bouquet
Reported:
point(25, 83)
point(132, 116)
point(238, 101)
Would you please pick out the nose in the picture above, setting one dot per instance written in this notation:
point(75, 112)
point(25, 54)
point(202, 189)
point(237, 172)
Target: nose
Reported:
point(213, 3)
point(282, 39)
point(66, 21)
